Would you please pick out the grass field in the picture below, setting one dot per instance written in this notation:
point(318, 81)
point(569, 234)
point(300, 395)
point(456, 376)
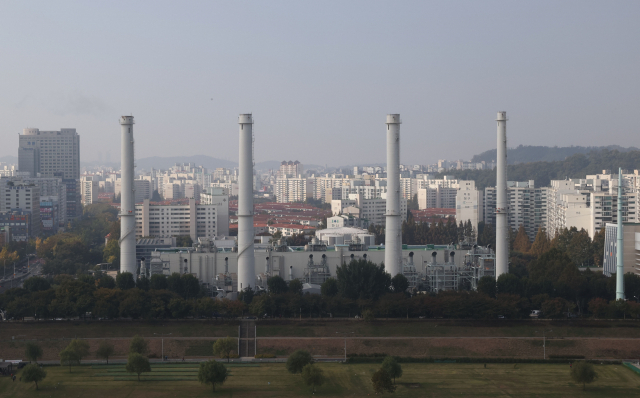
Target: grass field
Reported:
point(272, 380)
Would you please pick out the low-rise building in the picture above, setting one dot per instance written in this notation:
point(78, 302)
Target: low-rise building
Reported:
point(345, 220)
point(369, 209)
point(21, 224)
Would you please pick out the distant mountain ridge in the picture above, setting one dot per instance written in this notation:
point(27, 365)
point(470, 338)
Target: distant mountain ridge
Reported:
point(209, 162)
point(575, 166)
point(9, 159)
point(529, 153)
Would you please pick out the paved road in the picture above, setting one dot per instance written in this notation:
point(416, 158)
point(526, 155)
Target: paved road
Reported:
point(21, 275)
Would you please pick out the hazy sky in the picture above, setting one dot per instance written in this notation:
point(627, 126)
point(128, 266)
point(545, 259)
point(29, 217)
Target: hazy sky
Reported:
point(320, 76)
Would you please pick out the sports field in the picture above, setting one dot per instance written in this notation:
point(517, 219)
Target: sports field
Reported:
point(419, 380)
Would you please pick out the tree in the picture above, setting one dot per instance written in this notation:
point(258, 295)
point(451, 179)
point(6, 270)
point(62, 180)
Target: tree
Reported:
point(158, 282)
point(313, 376)
point(36, 284)
point(392, 367)
point(246, 295)
point(598, 247)
point(143, 283)
point(184, 241)
point(580, 248)
point(522, 243)
point(277, 285)
point(583, 372)
point(224, 347)
point(111, 252)
point(399, 283)
point(212, 372)
point(139, 345)
point(74, 352)
point(33, 351)
point(541, 243)
point(382, 382)
point(190, 286)
point(329, 288)
point(298, 360)
point(107, 282)
point(124, 281)
point(137, 364)
point(509, 284)
point(295, 286)
point(487, 285)
point(362, 279)
point(33, 373)
point(105, 350)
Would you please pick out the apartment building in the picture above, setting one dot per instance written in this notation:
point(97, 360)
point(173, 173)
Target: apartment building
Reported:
point(49, 152)
point(18, 201)
point(290, 169)
point(631, 248)
point(528, 206)
point(195, 220)
point(89, 190)
point(293, 189)
point(591, 203)
point(142, 189)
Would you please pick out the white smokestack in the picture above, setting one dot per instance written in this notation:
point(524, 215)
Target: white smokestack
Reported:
point(620, 244)
point(502, 199)
point(393, 228)
point(246, 263)
point(127, 199)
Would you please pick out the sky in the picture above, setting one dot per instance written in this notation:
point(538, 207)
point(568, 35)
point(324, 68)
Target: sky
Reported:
point(320, 77)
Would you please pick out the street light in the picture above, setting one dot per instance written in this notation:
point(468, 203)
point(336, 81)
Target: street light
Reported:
point(345, 344)
point(162, 337)
point(544, 343)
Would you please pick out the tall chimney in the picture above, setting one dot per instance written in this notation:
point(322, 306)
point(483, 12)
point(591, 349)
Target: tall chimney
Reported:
point(620, 245)
point(127, 199)
point(502, 199)
point(393, 231)
point(246, 261)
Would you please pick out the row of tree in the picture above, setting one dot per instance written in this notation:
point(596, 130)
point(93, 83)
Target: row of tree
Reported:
point(551, 283)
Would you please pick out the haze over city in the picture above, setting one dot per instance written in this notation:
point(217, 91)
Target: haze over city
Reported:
point(319, 78)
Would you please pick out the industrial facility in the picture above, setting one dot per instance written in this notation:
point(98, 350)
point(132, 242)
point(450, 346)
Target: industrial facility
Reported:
point(228, 269)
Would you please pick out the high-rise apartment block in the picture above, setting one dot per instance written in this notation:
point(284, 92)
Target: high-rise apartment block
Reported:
point(49, 152)
point(293, 189)
point(527, 206)
point(290, 169)
point(196, 220)
point(88, 190)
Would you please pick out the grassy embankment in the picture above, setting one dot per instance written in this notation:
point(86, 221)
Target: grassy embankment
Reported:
point(436, 338)
point(320, 328)
point(418, 380)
